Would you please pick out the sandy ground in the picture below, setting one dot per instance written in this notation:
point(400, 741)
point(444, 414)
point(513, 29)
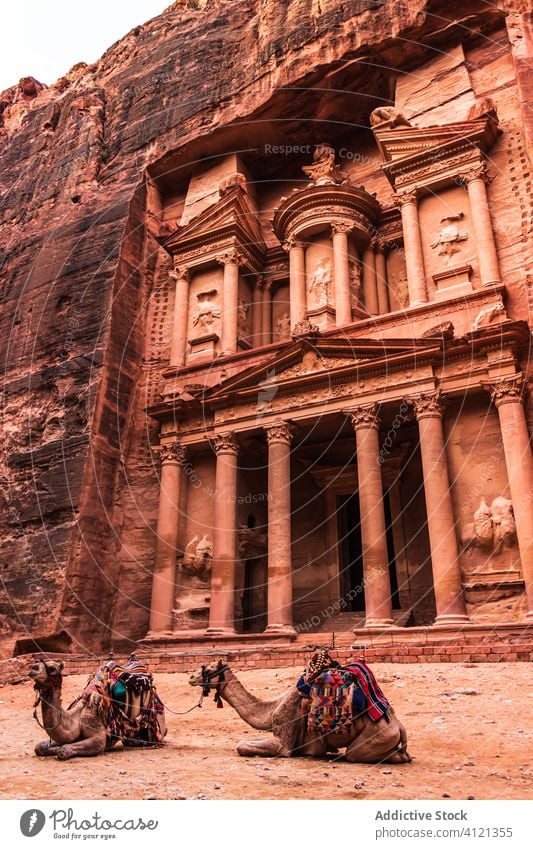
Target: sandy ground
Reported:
point(463, 744)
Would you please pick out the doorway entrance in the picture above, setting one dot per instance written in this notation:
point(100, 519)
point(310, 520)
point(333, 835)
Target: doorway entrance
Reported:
point(351, 553)
point(254, 598)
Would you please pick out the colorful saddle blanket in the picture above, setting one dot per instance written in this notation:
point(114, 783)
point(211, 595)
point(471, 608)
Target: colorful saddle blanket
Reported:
point(338, 695)
point(126, 698)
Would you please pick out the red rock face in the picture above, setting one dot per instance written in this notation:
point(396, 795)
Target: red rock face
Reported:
point(78, 163)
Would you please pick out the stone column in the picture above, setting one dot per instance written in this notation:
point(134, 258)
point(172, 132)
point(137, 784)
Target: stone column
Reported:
point(414, 257)
point(441, 524)
point(257, 313)
point(279, 529)
point(230, 301)
point(378, 602)
point(222, 609)
point(476, 184)
point(172, 456)
point(508, 396)
point(341, 274)
point(267, 313)
point(381, 277)
point(178, 344)
point(298, 293)
point(370, 293)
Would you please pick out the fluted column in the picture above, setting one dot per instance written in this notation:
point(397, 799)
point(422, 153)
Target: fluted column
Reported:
point(381, 277)
point(414, 257)
point(267, 313)
point(230, 301)
point(298, 293)
point(178, 344)
point(172, 457)
point(279, 529)
point(441, 524)
point(341, 273)
point(475, 181)
point(257, 313)
point(222, 609)
point(370, 292)
point(378, 602)
point(508, 396)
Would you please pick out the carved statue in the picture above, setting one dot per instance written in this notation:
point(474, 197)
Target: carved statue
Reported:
point(493, 528)
point(446, 241)
point(398, 283)
point(242, 318)
point(197, 557)
point(206, 313)
point(390, 115)
point(322, 280)
point(283, 327)
point(323, 171)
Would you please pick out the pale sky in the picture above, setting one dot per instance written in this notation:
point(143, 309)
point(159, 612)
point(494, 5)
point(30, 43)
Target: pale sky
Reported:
point(45, 38)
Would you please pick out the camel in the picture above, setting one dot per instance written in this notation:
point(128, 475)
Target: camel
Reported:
point(366, 741)
point(80, 730)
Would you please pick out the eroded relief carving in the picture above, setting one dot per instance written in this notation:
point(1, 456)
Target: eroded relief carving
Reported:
point(206, 316)
point(355, 283)
point(493, 528)
point(198, 557)
point(447, 239)
point(282, 329)
point(493, 314)
point(242, 318)
point(389, 115)
point(321, 283)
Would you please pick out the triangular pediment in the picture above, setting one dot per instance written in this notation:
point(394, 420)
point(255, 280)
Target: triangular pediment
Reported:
point(401, 143)
point(309, 359)
point(233, 214)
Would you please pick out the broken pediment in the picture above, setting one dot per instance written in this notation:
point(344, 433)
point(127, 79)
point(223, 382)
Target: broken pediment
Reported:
point(433, 153)
point(232, 217)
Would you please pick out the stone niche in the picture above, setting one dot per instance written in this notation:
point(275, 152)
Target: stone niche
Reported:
point(205, 311)
point(448, 242)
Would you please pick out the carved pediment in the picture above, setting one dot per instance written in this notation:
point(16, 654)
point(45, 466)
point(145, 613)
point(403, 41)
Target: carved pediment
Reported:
point(233, 215)
point(303, 360)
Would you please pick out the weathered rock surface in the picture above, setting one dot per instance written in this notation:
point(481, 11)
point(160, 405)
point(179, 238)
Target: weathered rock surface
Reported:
point(78, 251)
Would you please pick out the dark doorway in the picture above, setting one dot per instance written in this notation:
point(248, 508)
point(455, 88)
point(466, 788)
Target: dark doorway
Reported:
point(254, 599)
point(350, 551)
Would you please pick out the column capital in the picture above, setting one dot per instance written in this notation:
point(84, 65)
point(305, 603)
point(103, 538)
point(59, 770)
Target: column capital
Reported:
point(230, 257)
point(171, 452)
point(508, 390)
point(292, 242)
point(477, 172)
point(225, 443)
point(364, 417)
point(427, 405)
point(341, 227)
point(180, 272)
point(403, 198)
point(378, 245)
point(279, 432)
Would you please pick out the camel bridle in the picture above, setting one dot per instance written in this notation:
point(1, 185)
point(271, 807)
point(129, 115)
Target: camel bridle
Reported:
point(45, 688)
point(208, 681)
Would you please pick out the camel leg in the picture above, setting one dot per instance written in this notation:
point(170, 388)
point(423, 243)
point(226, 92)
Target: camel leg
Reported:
point(379, 742)
point(45, 749)
point(270, 747)
point(88, 747)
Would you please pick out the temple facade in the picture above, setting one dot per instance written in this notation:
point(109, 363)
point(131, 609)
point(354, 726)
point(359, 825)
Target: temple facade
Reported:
point(343, 439)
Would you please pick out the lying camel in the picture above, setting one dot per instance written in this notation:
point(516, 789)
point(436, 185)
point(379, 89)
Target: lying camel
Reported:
point(366, 741)
point(81, 730)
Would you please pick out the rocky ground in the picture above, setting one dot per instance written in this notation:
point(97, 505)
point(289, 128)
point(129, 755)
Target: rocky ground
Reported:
point(468, 726)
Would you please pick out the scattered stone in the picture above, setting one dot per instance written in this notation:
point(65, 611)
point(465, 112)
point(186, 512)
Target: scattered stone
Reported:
point(217, 786)
point(466, 691)
point(470, 797)
point(446, 796)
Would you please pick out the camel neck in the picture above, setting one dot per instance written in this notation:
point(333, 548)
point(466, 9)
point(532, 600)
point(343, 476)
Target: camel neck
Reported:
point(255, 712)
point(51, 706)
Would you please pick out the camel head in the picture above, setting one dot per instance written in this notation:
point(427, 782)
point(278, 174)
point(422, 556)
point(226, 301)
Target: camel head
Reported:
point(212, 676)
point(47, 674)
